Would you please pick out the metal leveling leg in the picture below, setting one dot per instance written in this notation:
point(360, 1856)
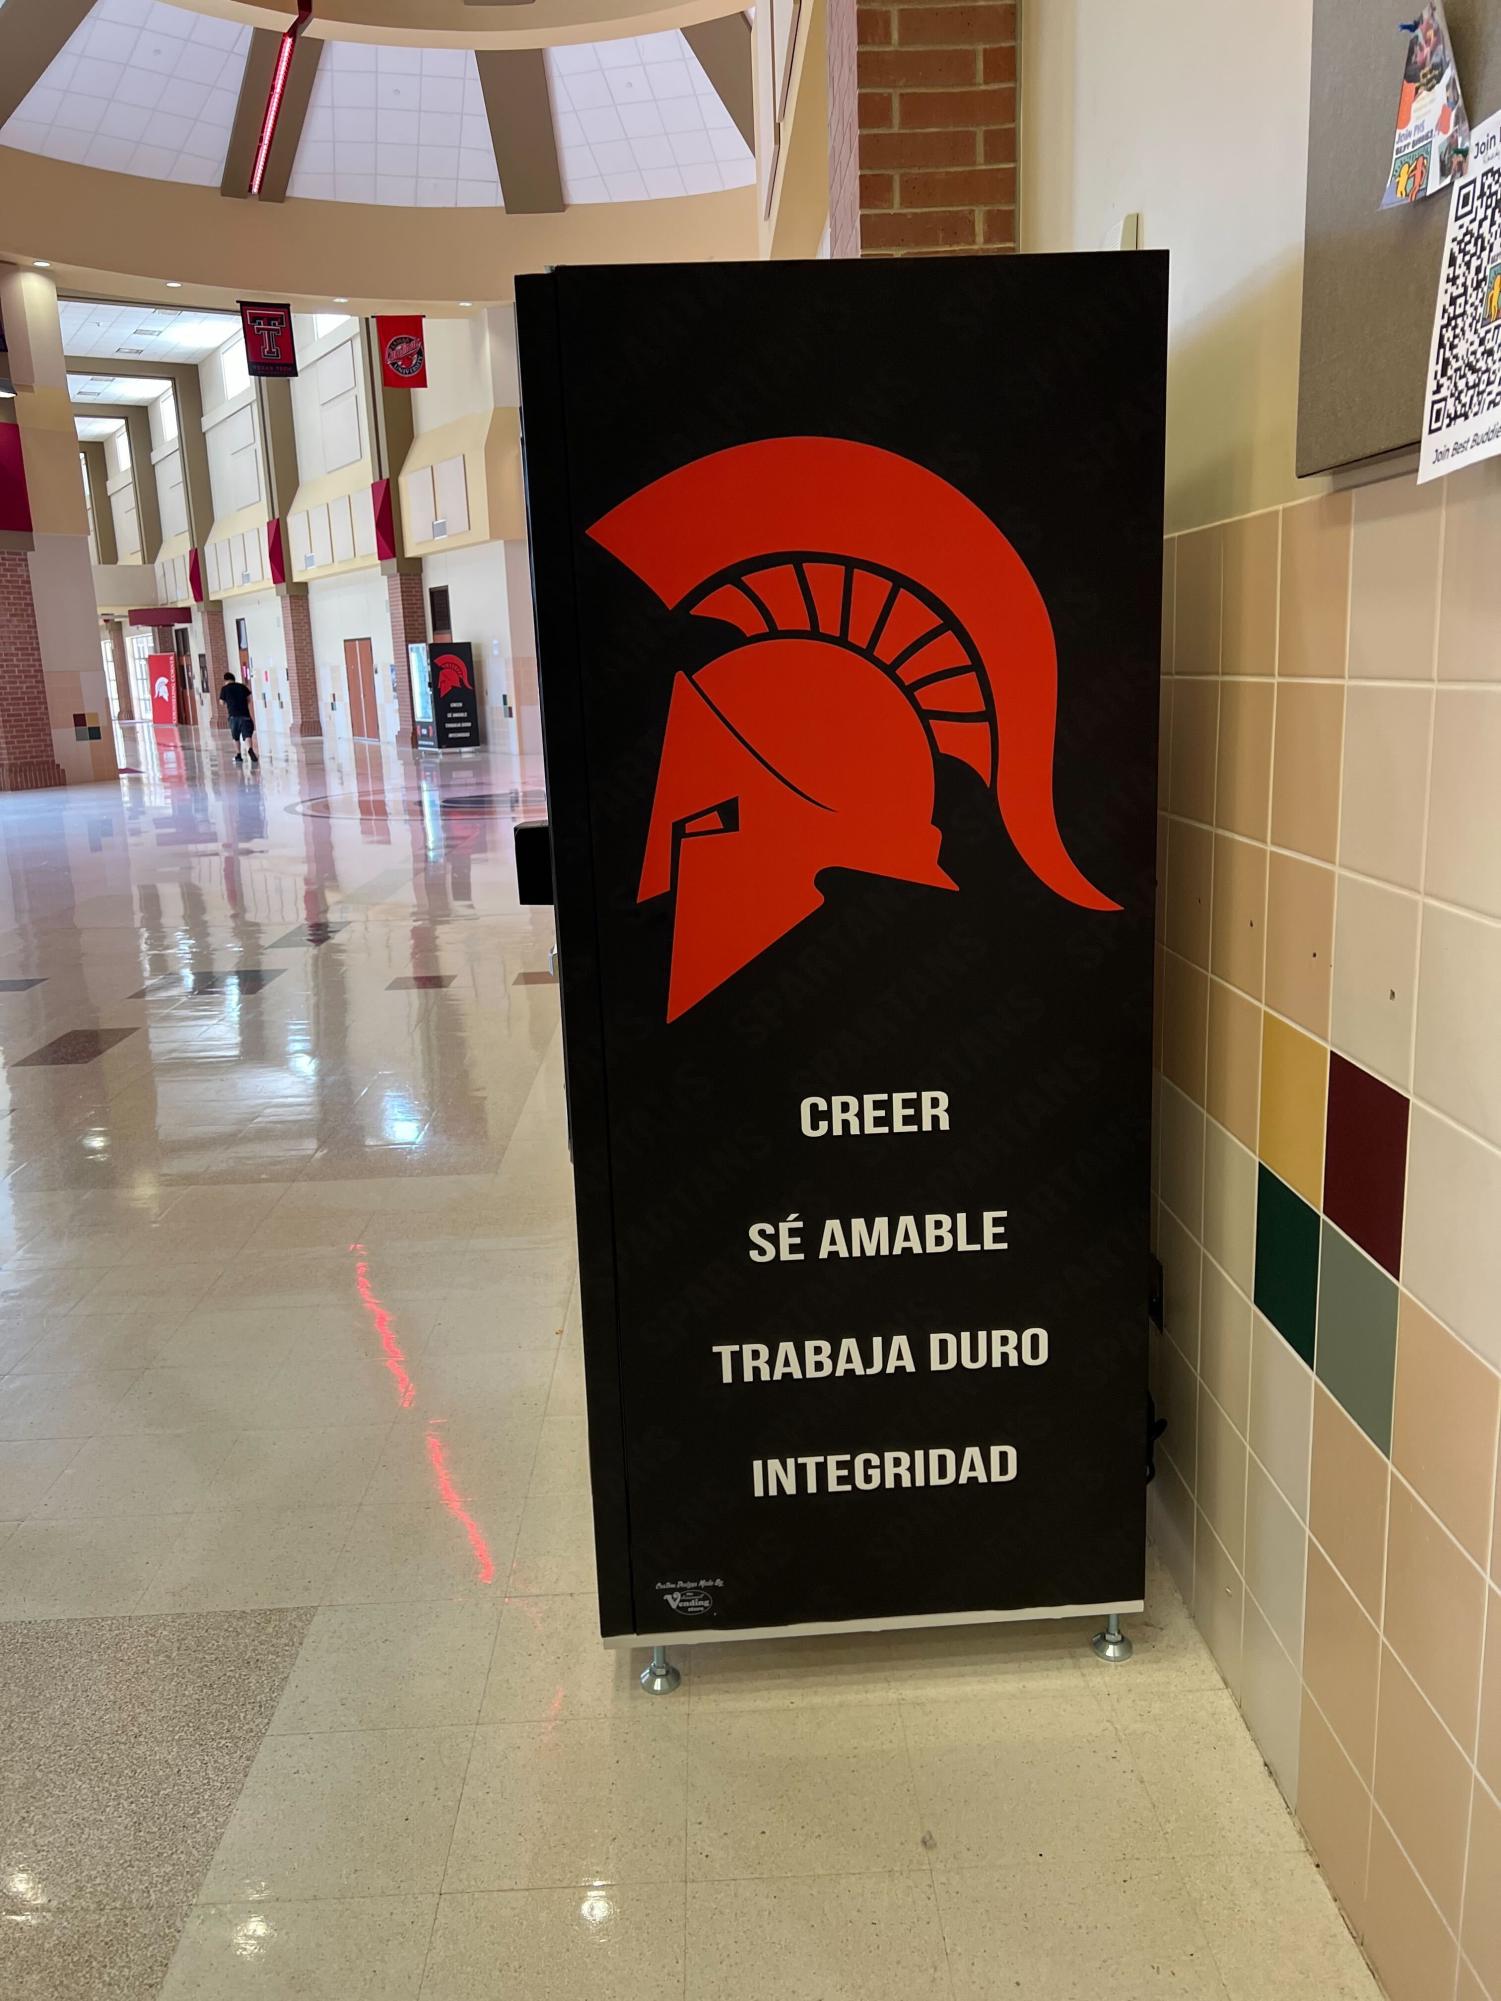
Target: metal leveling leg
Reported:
point(1112, 1644)
point(661, 1677)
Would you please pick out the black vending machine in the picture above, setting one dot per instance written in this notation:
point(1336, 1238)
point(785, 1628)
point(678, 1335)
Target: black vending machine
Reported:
point(848, 581)
point(445, 695)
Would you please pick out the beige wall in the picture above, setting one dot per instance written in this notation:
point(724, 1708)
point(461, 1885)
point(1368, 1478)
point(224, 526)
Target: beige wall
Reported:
point(1192, 113)
point(1329, 1183)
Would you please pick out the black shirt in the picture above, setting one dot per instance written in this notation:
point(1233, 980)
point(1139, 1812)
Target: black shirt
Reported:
point(236, 698)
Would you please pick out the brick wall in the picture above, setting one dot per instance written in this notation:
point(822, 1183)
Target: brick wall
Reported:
point(302, 674)
point(27, 759)
point(936, 145)
point(218, 646)
point(408, 628)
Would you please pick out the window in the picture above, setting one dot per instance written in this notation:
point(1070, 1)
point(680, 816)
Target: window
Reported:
point(326, 323)
point(166, 411)
point(234, 368)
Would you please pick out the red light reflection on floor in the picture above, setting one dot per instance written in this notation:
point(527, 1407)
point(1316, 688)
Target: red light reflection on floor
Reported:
point(382, 1319)
point(448, 1494)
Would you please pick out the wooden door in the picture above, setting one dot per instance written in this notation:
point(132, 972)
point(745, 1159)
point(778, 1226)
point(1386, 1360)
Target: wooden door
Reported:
point(359, 672)
point(367, 682)
point(369, 701)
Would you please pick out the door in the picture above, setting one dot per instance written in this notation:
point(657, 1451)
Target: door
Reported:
point(364, 704)
point(181, 644)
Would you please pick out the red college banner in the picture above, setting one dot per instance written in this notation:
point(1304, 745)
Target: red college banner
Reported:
point(269, 347)
point(403, 352)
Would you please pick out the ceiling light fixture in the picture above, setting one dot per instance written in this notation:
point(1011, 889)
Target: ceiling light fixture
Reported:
point(466, 302)
point(274, 96)
point(341, 301)
point(40, 264)
point(174, 284)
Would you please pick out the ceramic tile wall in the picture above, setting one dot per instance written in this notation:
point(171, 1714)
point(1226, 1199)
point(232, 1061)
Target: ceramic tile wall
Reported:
point(1328, 1195)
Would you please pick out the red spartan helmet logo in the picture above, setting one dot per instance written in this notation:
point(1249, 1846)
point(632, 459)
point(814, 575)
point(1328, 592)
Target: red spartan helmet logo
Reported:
point(884, 620)
point(452, 673)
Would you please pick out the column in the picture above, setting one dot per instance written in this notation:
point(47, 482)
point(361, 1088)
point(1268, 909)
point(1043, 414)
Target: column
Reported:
point(922, 128)
point(27, 758)
point(391, 427)
point(54, 700)
point(218, 646)
point(125, 708)
point(302, 674)
point(279, 449)
point(408, 602)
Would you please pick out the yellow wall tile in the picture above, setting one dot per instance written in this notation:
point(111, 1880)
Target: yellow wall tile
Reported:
point(1294, 1085)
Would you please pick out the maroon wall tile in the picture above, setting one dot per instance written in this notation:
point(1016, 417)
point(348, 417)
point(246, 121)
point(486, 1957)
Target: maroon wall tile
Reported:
point(1365, 1161)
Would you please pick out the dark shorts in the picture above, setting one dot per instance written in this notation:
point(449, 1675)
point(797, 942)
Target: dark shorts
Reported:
point(242, 728)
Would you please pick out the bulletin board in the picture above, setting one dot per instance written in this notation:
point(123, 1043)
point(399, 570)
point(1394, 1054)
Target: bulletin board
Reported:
point(1371, 274)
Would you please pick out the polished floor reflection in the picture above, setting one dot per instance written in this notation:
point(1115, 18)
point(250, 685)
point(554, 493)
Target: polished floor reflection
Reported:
point(302, 1689)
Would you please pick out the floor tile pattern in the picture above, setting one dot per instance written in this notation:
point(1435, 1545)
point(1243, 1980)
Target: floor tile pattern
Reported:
point(297, 1635)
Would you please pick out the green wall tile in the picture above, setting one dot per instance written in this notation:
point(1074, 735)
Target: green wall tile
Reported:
point(1356, 1357)
point(1287, 1261)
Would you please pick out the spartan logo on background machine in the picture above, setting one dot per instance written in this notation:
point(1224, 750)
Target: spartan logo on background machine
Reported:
point(884, 622)
point(453, 674)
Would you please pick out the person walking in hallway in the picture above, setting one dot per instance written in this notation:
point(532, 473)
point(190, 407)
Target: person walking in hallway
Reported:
point(235, 696)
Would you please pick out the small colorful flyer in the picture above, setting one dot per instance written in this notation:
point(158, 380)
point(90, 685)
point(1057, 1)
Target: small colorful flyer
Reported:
point(1432, 146)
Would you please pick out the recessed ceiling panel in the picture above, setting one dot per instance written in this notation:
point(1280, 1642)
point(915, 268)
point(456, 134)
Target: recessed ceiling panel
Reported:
point(398, 126)
point(116, 389)
point(638, 118)
point(141, 333)
point(141, 88)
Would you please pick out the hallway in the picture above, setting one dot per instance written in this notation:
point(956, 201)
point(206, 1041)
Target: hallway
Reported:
point(298, 1655)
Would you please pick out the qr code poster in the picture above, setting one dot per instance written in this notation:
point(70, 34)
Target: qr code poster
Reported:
point(1433, 134)
point(1462, 421)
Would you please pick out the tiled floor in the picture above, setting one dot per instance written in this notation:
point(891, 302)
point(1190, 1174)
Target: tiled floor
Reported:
point(302, 1688)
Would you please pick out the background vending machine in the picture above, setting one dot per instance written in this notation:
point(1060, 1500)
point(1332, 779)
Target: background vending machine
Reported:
point(422, 696)
point(445, 700)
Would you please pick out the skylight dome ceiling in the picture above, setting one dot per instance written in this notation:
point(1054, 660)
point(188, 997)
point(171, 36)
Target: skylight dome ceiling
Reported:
point(638, 117)
point(150, 88)
point(139, 88)
point(405, 127)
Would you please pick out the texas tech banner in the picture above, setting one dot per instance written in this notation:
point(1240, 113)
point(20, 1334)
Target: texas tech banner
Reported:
point(848, 586)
